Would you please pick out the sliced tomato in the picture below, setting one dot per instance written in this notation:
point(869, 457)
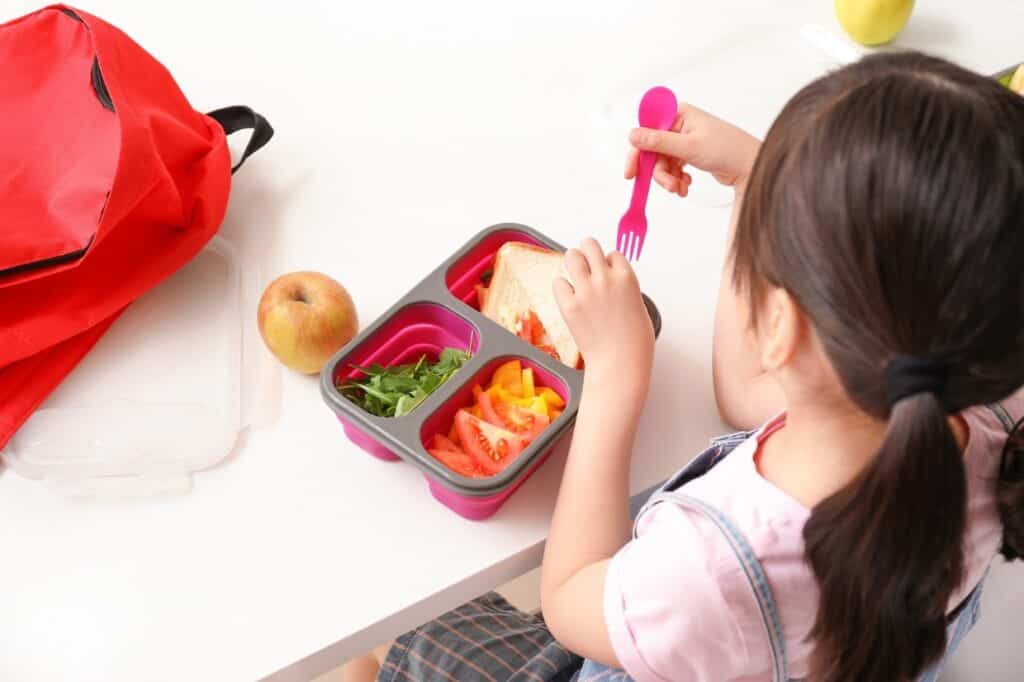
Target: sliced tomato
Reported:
point(523, 422)
point(453, 434)
point(490, 446)
point(442, 442)
point(459, 462)
point(487, 409)
point(524, 330)
point(531, 330)
point(529, 327)
point(539, 332)
point(550, 350)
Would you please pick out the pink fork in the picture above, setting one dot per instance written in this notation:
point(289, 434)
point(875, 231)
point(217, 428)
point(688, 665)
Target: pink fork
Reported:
point(657, 110)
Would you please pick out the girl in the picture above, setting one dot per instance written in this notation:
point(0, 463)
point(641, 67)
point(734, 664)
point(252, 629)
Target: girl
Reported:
point(871, 317)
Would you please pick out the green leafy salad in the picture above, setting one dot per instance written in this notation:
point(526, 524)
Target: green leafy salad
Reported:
point(396, 391)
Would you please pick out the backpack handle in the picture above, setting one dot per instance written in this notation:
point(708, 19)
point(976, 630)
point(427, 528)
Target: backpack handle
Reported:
point(233, 119)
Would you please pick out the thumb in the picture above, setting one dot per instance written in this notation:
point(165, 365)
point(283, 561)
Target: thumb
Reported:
point(667, 142)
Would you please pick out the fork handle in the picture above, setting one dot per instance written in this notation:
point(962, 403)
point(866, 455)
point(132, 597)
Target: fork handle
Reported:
point(642, 184)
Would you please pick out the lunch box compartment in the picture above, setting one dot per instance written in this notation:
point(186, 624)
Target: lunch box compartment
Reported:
point(463, 276)
point(412, 332)
point(518, 471)
point(441, 420)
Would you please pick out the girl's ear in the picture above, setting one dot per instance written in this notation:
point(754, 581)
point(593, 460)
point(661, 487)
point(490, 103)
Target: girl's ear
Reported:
point(781, 325)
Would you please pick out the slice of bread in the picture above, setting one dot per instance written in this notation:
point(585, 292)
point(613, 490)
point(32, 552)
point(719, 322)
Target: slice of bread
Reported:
point(522, 281)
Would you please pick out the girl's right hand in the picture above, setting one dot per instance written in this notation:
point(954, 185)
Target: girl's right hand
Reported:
point(696, 139)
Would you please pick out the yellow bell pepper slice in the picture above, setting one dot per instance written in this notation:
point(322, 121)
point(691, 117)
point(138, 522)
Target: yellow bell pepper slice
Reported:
point(534, 404)
point(552, 398)
point(538, 405)
point(510, 377)
point(528, 383)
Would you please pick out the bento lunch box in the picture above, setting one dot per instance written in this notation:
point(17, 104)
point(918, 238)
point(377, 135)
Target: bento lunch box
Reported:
point(442, 311)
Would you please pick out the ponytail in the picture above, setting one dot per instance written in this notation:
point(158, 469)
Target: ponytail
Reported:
point(886, 550)
point(1010, 494)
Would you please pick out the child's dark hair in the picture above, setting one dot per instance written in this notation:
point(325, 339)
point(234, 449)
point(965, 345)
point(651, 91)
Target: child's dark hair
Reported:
point(888, 201)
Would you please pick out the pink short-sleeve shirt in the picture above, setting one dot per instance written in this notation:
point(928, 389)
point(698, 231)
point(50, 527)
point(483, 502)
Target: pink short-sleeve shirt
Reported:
point(678, 605)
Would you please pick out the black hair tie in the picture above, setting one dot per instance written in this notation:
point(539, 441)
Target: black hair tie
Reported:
point(907, 376)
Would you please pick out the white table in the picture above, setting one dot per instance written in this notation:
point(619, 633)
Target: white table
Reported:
point(400, 132)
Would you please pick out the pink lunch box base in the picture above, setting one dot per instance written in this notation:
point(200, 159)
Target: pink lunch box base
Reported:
point(472, 508)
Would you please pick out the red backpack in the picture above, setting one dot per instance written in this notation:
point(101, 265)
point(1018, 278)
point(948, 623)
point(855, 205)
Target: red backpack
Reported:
point(109, 182)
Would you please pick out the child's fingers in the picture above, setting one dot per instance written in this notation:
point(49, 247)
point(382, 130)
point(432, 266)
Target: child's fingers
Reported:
point(618, 262)
point(576, 265)
point(667, 142)
point(684, 184)
point(664, 176)
point(596, 259)
point(661, 174)
point(631, 160)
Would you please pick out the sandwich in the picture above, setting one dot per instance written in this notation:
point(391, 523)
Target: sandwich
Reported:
point(520, 299)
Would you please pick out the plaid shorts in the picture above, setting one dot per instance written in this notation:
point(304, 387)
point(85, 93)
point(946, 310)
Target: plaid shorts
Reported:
point(490, 640)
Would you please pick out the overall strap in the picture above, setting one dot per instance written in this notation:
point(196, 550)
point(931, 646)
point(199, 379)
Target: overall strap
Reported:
point(755, 576)
point(720, 448)
point(1004, 417)
point(1009, 425)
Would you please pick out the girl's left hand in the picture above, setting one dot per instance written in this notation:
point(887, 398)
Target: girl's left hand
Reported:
point(605, 311)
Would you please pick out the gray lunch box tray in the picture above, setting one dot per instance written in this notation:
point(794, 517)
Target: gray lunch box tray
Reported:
point(440, 312)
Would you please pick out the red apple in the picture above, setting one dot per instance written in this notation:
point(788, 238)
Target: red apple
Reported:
point(304, 318)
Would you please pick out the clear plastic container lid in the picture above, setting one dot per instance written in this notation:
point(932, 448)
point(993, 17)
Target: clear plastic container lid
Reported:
point(160, 396)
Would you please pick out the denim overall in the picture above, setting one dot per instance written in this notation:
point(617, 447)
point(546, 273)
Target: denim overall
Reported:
point(961, 620)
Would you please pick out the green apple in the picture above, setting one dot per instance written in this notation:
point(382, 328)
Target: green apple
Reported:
point(873, 22)
point(304, 318)
point(1017, 81)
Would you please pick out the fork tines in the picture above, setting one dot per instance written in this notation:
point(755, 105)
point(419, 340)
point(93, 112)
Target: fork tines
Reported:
point(630, 243)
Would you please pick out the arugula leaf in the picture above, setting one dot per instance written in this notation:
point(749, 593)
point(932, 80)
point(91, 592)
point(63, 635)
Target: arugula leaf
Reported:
point(398, 390)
